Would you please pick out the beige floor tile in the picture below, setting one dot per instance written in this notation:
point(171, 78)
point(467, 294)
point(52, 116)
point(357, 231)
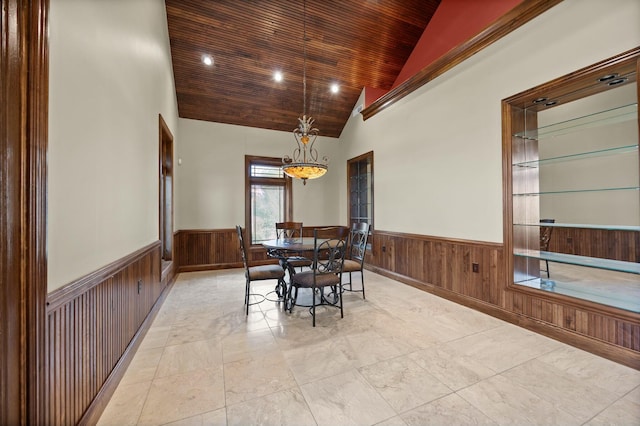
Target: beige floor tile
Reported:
point(156, 337)
point(450, 410)
point(297, 335)
point(143, 366)
point(368, 348)
point(403, 383)
point(633, 396)
point(125, 405)
point(389, 362)
point(503, 347)
point(510, 404)
point(212, 418)
point(346, 399)
point(584, 366)
point(455, 370)
point(239, 346)
point(255, 377)
point(182, 396)
point(415, 335)
point(188, 357)
point(317, 361)
point(562, 390)
point(393, 421)
point(286, 407)
point(625, 411)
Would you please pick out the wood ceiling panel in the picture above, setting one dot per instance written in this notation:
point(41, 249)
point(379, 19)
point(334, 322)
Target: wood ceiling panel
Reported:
point(355, 44)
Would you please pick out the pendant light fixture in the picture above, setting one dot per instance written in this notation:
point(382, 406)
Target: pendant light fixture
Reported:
point(304, 164)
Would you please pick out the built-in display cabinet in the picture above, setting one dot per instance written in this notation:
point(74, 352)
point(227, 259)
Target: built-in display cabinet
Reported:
point(572, 186)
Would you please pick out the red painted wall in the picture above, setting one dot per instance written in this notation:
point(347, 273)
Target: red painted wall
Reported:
point(372, 94)
point(454, 22)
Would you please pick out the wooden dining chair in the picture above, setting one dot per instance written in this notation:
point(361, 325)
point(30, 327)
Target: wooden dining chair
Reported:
point(259, 273)
point(286, 230)
point(545, 240)
point(330, 247)
point(356, 253)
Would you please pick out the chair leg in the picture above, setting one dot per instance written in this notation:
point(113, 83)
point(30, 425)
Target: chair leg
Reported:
point(246, 295)
point(281, 289)
point(362, 278)
point(292, 301)
point(340, 296)
point(547, 263)
point(313, 307)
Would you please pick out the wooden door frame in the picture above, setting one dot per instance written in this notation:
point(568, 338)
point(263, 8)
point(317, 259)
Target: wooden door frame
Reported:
point(24, 91)
point(357, 159)
point(166, 167)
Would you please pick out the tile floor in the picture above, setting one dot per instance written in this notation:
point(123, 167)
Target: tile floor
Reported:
point(400, 357)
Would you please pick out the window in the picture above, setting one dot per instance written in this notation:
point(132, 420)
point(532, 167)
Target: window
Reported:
point(268, 197)
point(360, 187)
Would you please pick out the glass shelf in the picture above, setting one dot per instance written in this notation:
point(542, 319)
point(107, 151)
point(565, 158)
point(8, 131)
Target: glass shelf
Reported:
point(584, 226)
point(571, 259)
point(581, 292)
point(611, 116)
point(580, 156)
point(576, 191)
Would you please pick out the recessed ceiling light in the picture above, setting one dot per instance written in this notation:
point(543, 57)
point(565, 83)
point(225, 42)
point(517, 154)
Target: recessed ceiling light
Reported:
point(277, 76)
point(208, 60)
point(335, 88)
point(550, 103)
point(539, 100)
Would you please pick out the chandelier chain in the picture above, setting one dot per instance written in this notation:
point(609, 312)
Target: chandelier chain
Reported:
point(304, 164)
point(304, 58)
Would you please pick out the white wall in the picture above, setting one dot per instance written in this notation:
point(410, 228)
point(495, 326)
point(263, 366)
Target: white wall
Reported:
point(210, 181)
point(110, 76)
point(437, 152)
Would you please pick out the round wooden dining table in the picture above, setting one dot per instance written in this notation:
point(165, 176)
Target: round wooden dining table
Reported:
point(284, 248)
point(291, 244)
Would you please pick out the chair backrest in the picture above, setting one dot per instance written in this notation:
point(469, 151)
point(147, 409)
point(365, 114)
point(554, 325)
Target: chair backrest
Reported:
point(358, 241)
point(330, 248)
point(243, 250)
point(288, 230)
point(545, 234)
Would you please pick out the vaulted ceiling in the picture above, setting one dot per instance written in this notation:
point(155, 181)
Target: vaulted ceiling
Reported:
point(355, 44)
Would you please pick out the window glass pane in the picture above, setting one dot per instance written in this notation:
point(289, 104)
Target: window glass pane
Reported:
point(267, 208)
point(360, 191)
point(262, 170)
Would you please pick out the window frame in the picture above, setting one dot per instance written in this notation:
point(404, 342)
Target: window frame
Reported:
point(284, 181)
point(366, 157)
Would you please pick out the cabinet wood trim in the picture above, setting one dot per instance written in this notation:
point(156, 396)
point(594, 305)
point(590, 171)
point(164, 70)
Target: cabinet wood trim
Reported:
point(605, 327)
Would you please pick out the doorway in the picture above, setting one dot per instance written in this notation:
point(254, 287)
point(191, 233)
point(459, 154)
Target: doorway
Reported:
point(166, 192)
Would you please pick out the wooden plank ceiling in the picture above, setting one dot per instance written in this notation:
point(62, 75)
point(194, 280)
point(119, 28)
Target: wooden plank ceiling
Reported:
point(356, 44)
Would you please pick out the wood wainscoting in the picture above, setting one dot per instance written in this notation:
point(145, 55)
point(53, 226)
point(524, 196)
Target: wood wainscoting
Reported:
point(604, 243)
point(445, 267)
point(210, 249)
point(93, 327)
